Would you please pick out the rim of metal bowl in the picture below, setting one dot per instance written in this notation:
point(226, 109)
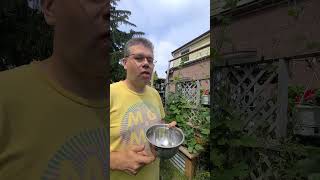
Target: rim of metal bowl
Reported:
point(165, 146)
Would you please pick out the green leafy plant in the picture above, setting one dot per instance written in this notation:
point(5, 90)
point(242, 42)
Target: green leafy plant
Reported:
point(196, 130)
point(295, 11)
point(236, 155)
point(229, 143)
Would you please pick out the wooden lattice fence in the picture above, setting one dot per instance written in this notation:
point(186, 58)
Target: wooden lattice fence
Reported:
point(259, 90)
point(255, 89)
point(191, 91)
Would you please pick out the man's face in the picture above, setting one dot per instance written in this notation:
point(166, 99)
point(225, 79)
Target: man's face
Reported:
point(139, 64)
point(82, 34)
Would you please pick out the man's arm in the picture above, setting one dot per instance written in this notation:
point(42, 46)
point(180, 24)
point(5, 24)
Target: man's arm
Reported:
point(130, 160)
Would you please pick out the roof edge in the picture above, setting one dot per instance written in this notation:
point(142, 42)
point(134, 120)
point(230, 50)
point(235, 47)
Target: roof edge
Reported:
point(190, 42)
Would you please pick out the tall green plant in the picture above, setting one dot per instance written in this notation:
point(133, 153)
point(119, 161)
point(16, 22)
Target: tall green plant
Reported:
point(235, 154)
point(196, 130)
point(228, 141)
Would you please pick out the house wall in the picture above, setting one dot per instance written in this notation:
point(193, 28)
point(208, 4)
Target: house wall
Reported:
point(196, 71)
point(217, 5)
point(196, 55)
point(273, 34)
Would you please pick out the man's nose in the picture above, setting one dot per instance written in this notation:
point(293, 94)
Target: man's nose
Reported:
point(145, 63)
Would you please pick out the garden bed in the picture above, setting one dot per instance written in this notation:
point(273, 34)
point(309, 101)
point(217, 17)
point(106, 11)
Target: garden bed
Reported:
point(185, 162)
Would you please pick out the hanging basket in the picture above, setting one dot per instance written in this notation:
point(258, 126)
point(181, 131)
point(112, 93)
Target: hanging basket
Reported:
point(308, 120)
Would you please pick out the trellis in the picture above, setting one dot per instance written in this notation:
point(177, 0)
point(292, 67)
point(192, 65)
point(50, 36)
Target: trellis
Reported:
point(255, 89)
point(190, 90)
point(259, 90)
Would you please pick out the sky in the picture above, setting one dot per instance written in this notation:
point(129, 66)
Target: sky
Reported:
point(169, 24)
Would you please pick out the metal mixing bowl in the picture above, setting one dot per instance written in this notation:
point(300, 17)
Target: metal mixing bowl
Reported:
point(164, 141)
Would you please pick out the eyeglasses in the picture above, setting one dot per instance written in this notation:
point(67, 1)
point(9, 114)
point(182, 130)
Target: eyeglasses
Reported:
point(140, 58)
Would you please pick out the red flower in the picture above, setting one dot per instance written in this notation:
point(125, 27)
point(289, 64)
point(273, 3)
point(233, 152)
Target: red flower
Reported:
point(308, 96)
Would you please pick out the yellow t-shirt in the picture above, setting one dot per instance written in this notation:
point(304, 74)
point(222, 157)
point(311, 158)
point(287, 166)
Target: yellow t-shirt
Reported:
point(47, 133)
point(130, 114)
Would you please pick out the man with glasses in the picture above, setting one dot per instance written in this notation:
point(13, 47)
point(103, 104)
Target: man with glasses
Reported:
point(134, 106)
point(53, 112)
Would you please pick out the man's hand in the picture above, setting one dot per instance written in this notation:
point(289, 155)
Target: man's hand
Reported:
point(172, 124)
point(130, 160)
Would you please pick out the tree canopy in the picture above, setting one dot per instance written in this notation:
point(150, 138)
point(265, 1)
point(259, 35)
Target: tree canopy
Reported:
point(24, 34)
point(119, 38)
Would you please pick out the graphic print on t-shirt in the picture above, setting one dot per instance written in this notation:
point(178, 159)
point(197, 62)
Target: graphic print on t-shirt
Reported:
point(83, 157)
point(135, 122)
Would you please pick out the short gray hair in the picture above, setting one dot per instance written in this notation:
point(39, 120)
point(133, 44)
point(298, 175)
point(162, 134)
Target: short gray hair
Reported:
point(137, 41)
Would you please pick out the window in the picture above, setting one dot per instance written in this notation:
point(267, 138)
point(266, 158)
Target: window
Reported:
point(186, 57)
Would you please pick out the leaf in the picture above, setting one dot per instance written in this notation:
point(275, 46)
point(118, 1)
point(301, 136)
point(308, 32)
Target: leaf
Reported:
point(222, 141)
point(248, 141)
point(193, 142)
point(198, 147)
point(315, 176)
point(190, 149)
point(194, 151)
point(234, 124)
point(217, 158)
point(240, 170)
point(205, 131)
point(176, 111)
point(224, 176)
point(179, 119)
point(235, 142)
point(309, 165)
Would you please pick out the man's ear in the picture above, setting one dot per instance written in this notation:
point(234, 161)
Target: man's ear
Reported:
point(124, 63)
point(49, 11)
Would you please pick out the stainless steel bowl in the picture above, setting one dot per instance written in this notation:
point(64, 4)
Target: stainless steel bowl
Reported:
point(164, 141)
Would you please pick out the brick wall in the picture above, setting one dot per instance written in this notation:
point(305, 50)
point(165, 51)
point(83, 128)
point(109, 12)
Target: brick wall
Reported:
point(200, 70)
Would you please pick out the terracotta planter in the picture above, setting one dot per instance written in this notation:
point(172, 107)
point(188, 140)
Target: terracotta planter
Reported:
point(308, 120)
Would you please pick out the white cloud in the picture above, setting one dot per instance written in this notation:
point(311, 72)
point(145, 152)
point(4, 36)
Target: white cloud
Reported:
point(168, 24)
point(162, 54)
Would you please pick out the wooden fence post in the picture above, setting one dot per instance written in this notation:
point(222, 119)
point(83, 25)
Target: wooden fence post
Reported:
point(283, 81)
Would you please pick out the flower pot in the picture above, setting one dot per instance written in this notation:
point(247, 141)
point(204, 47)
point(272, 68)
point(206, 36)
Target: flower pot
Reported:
point(205, 99)
point(308, 120)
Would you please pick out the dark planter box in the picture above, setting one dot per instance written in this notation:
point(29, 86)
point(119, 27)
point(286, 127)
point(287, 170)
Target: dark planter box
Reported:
point(308, 120)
